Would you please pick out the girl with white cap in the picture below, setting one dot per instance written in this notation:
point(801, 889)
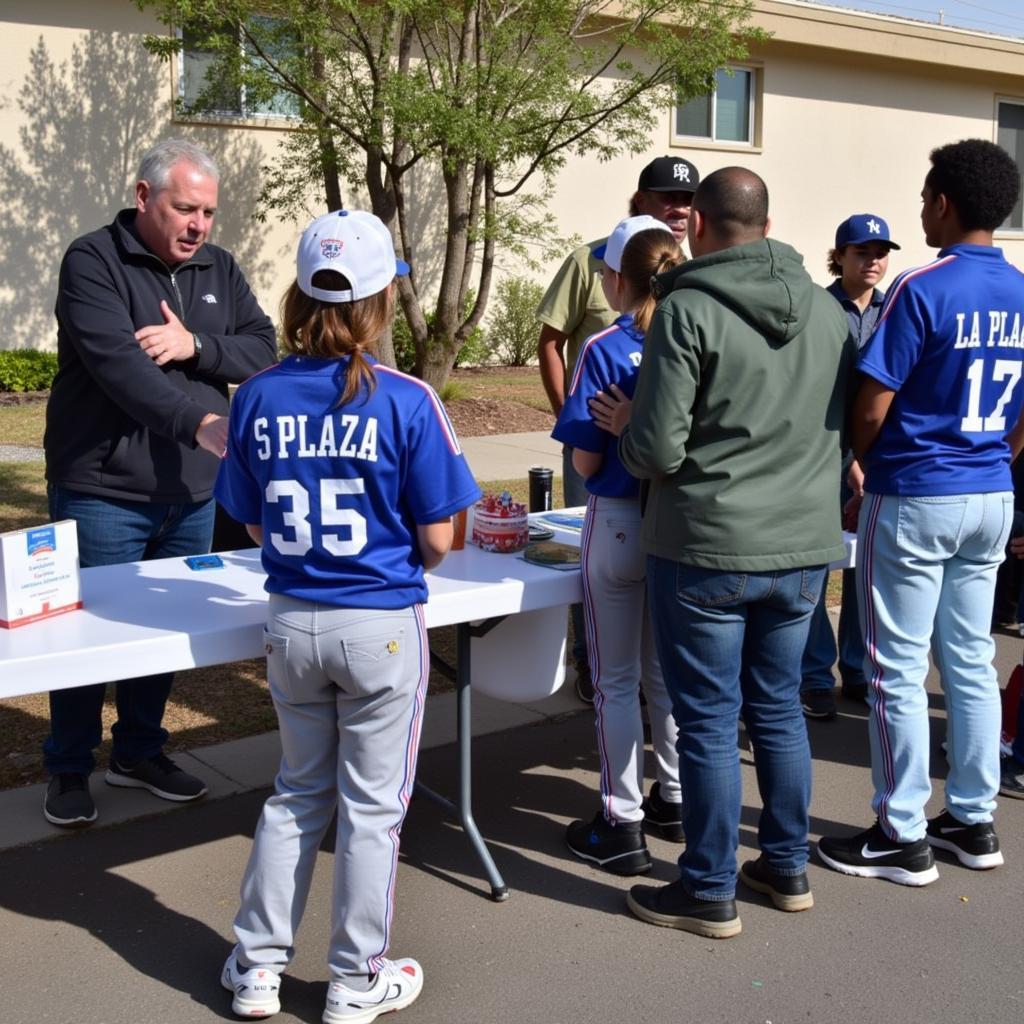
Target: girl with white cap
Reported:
point(620, 643)
point(347, 473)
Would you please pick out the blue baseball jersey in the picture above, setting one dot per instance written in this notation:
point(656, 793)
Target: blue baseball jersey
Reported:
point(611, 356)
point(339, 490)
point(950, 343)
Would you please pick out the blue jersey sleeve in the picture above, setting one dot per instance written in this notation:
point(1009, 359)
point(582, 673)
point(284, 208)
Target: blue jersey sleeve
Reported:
point(439, 481)
point(576, 426)
point(896, 345)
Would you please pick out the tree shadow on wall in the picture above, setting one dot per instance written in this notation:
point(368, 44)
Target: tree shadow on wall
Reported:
point(85, 124)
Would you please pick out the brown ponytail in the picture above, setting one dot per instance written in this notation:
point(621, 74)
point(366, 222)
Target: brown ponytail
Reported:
point(647, 253)
point(329, 330)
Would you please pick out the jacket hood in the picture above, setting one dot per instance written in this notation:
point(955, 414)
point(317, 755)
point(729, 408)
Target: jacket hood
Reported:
point(764, 282)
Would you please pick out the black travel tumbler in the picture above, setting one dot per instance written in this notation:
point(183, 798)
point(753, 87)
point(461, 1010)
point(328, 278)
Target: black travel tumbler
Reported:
point(540, 488)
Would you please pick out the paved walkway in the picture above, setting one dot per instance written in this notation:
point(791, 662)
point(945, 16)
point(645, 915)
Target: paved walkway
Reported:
point(129, 924)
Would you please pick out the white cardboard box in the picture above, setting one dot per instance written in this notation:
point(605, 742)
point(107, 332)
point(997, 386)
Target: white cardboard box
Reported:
point(39, 573)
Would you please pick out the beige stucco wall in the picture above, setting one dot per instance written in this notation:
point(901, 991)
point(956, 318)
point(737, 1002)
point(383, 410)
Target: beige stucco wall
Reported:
point(852, 105)
point(80, 100)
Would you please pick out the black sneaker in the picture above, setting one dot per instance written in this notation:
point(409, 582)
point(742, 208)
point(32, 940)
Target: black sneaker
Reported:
point(788, 892)
point(671, 906)
point(584, 684)
point(1011, 778)
point(68, 801)
point(620, 849)
point(872, 854)
point(818, 703)
point(160, 775)
point(855, 689)
point(975, 846)
point(663, 817)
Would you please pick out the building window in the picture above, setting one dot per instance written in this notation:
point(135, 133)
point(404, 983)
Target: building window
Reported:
point(1010, 135)
point(196, 79)
point(725, 115)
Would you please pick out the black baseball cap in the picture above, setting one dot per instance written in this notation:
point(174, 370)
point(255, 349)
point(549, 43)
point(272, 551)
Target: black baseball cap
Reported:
point(669, 174)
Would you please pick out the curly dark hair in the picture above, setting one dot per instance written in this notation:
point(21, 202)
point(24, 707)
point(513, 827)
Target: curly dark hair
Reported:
point(979, 178)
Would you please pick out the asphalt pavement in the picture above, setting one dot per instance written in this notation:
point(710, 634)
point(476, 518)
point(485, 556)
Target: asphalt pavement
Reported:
point(130, 923)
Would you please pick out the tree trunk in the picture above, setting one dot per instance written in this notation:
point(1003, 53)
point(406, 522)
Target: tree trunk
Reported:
point(437, 364)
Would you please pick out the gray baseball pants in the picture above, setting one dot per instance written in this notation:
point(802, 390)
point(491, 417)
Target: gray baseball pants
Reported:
point(349, 687)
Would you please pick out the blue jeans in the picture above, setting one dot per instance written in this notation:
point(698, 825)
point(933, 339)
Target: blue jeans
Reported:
point(112, 531)
point(926, 576)
point(575, 492)
point(731, 643)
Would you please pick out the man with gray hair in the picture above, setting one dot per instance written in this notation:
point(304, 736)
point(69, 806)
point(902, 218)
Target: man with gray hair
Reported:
point(152, 325)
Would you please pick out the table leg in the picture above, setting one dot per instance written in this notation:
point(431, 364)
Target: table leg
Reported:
point(463, 810)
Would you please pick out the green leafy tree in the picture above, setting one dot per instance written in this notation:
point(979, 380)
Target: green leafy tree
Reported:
point(453, 117)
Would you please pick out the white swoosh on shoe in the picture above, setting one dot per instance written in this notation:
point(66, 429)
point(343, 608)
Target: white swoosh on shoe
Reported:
point(868, 854)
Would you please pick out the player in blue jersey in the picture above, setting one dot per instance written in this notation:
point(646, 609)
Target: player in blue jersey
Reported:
point(347, 473)
point(940, 393)
point(620, 642)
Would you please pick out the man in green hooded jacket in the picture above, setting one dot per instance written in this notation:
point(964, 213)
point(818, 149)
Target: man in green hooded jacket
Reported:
point(736, 422)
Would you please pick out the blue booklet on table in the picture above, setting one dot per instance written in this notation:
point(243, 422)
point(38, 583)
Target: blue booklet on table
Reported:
point(562, 520)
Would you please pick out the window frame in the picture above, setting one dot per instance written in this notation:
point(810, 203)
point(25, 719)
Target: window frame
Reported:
point(240, 118)
point(755, 115)
point(1016, 101)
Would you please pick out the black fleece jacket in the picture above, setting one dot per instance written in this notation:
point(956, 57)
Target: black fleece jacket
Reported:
point(118, 425)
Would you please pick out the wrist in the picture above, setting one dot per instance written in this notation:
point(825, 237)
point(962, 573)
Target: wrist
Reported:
point(197, 346)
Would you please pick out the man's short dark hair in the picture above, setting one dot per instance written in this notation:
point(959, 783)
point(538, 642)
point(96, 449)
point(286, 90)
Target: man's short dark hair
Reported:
point(979, 178)
point(735, 201)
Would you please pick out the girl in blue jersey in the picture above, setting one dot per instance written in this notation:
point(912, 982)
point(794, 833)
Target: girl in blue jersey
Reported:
point(620, 642)
point(347, 473)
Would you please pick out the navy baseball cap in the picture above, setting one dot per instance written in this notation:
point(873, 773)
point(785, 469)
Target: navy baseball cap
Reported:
point(862, 228)
point(669, 174)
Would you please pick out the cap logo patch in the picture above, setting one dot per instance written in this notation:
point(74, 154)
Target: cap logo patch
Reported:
point(331, 248)
point(874, 227)
point(681, 173)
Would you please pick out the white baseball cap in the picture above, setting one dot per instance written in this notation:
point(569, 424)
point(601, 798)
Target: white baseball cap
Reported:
point(354, 243)
point(611, 251)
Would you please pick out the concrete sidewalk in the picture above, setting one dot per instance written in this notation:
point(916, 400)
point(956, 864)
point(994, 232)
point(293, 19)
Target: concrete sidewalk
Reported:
point(130, 923)
point(510, 456)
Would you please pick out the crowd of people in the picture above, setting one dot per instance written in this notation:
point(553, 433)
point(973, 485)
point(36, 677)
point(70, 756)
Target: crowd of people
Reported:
point(720, 413)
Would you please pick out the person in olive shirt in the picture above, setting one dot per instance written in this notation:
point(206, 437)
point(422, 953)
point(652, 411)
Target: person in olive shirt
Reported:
point(574, 307)
point(736, 421)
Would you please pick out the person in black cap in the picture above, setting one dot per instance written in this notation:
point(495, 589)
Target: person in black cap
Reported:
point(574, 307)
point(859, 261)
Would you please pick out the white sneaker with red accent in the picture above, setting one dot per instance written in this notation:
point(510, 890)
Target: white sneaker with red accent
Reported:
point(255, 989)
point(396, 985)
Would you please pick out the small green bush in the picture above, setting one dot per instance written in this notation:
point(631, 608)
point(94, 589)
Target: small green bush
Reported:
point(514, 329)
point(27, 369)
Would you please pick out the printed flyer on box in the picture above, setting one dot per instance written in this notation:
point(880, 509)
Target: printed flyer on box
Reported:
point(39, 572)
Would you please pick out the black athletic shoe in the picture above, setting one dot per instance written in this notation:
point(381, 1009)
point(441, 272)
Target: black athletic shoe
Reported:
point(671, 906)
point(855, 689)
point(663, 817)
point(872, 854)
point(1011, 778)
point(620, 849)
point(975, 846)
point(68, 801)
point(788, 892)
point(818, 703)
point(584, 684)
point(160, 775)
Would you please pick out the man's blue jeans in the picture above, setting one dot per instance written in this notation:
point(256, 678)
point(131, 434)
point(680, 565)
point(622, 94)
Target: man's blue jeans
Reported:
point(111, 531)
point(730, 643)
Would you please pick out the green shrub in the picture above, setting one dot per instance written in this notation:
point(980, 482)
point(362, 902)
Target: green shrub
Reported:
point(514, 329)
point(27, 369)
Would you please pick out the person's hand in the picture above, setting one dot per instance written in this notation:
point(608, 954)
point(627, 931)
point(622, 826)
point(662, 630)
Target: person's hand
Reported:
point(851, 512)
point(166, 342)
point(212, 434)
point(610, 409)
point(1017, 546)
